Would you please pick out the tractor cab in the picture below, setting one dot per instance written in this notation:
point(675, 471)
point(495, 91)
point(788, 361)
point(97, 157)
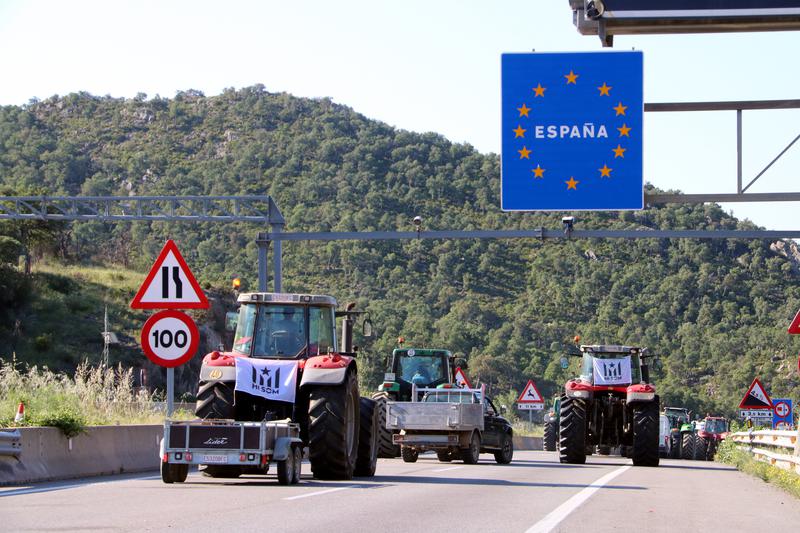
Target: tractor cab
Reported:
point(423, 368)
point(285, 326)
point(611, 365)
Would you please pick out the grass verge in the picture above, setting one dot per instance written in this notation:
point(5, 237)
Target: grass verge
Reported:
point(729, 453)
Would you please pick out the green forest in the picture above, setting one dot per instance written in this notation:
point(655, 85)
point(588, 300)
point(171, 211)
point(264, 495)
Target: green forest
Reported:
point(715, 311)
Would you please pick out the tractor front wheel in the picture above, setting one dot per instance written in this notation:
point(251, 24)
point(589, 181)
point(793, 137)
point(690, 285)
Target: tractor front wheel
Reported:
point(645, 434)
point(572, 431)
point(214, 400)
point(367, 439)
point(550, 440)
point(333, 419)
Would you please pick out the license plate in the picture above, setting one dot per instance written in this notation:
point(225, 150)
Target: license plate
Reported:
point(215, 459)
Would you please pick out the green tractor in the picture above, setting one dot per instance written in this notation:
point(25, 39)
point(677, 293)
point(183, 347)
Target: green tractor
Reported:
point(409, 367)
point(550, 440)
point(679, 424)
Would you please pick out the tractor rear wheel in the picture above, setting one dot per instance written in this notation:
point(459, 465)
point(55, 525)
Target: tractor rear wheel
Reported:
point(572, 431)
point(471, 453)
point(712, 450)
point(333, 418)
point(550, 440)
point(367, 439)
point(700, 448)
point(410, 455)
point(645, 434)
point(214, 400)
point(687, 446)
point(386, 448)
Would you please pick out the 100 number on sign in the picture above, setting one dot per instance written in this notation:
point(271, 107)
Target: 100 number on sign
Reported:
point(170, 338)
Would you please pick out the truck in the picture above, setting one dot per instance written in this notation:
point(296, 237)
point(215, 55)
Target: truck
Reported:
point(408, 367)
point(285, 365)
point(611, 404)
point(456, 423)
point(249, 447)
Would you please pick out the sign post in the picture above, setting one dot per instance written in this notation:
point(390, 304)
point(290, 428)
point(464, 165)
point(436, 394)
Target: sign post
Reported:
point(170, 338)
point(530, 400)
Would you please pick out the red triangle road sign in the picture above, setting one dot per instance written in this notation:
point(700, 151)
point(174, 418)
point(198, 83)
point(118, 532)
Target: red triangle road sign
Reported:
point(756, 397)
point(461, 378)
point(794, 327)
point(530, 394)
point(170, 284)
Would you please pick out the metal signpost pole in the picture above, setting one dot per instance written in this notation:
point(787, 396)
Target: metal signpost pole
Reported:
point(170, 391)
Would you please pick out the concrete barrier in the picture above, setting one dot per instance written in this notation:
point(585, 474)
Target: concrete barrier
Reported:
point(47, 455)
point(528, 443)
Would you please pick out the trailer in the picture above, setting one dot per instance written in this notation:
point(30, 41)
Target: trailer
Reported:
point(456, 423)
point(225, 448)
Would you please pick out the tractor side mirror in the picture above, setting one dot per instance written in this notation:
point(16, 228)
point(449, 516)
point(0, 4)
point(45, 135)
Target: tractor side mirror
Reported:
point(367, 332)
point(231, 319)
point(564, 362)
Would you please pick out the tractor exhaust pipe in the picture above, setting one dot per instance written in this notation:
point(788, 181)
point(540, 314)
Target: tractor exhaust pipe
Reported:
point(347, 329)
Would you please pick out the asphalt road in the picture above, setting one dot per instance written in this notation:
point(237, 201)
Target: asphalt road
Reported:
point(533, 493)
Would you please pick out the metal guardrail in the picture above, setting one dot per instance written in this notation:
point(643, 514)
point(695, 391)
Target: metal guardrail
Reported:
point(11, 443)
point(771, 447)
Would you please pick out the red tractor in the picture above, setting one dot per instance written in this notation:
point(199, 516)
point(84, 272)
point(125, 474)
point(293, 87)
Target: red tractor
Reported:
point(710, 432)
point(611, 404)
point(284, 364)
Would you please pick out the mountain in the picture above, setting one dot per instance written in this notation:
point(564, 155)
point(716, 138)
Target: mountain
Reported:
point(715, 311)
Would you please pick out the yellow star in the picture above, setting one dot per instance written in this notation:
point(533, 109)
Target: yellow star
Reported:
point(605, 172)
point(619, 151)
point(519, 132)
point(523, 111)
point(604, 89)
point(539, 90)
point(524, 153)
point(538, 172)
point(571, 184)
point(571, 78)
point(624, 130)
point(620, 109)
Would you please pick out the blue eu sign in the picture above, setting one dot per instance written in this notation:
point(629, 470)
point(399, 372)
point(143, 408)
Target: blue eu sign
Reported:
point(572, 131)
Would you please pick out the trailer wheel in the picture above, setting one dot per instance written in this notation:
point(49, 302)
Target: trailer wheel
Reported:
point(333, 419)
point(286, 469)
point(506, 452)
point(572, 431)
point(409, 455)
point(297, 450)
point(645, 434)
point(173, 473)
point(471, 454)
point(214, 400)
point(386, 448)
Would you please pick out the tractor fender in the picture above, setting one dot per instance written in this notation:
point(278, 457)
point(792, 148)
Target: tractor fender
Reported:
point(282, 447)
point(327, 370)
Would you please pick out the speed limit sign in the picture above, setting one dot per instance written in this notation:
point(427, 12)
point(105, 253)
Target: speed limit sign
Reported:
point(170, 338)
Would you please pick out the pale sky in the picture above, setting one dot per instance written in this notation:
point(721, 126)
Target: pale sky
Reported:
point(417, 65)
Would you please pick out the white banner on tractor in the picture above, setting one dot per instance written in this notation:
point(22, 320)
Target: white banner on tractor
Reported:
point(612, 371)
point(268, 378)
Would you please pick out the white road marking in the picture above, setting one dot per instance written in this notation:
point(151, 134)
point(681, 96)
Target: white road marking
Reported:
point(446, 469)
point(549, 522)
point(320, 492)
point(51, 488)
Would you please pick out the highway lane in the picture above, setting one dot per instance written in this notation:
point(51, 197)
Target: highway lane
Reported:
point(534, 493)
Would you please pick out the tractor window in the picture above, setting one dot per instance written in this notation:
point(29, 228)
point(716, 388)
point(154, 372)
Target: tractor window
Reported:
point(280, 331)
point(321, 330)
point(422, 370)
point(716, 426)
point(587, 368)
point(243, 338)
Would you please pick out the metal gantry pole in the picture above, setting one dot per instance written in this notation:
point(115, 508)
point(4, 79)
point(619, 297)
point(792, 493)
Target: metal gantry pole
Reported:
point(277, 257)
point(262, 265)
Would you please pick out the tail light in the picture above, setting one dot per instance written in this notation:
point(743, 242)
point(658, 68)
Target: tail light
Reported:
point(188, 456)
